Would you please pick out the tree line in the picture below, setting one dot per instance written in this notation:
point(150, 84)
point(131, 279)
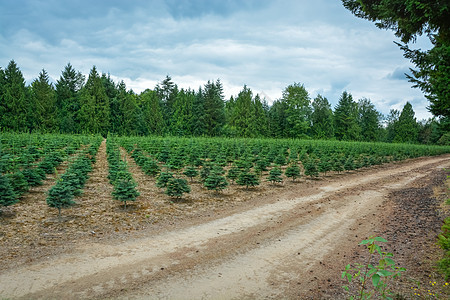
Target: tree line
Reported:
point(99, 105)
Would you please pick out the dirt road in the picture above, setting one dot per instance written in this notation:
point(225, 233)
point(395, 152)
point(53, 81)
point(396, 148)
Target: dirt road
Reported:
point(256, 251)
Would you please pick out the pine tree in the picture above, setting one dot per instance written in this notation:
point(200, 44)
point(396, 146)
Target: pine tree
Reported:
point(190, 172)
point(125, 190)
point(7, 195)
point(275, 175)
point(95, 109)
point(151, 167)
point(407, 129)
point(176, 187)
point(233, 173)
point(292, 171)
point(152, 113)
point(322, 118)
point(18, 183)
point(60, 196)
point(247, 178)
point(16, 112)
point(163, 179)
point(346, 118)
point(67, 99)
point(214, 106)
point(215, 181)
point(45, 98)
point(310, 166)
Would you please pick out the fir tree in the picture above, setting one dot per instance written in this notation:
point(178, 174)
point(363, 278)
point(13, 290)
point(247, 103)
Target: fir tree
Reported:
point(311, 168)
point(190, 172)
point(176, 187)
point(151, 167)
point(215, 181)
point(163, 179)
point(247, 178)
point(7, 195)
point(233, 173)
point(60, 196)
point(125, 190)
point(292, 171)
point(275, 175)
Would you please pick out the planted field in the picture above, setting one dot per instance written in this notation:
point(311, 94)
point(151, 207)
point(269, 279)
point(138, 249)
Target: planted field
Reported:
point(134, 217)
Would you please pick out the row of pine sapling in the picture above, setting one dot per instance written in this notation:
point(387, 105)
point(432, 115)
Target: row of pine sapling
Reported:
point(16, 183)
point(70, 184)
point(119, 176)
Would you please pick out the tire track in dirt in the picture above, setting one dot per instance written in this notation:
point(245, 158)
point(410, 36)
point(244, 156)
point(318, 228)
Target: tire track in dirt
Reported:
point(263, 239)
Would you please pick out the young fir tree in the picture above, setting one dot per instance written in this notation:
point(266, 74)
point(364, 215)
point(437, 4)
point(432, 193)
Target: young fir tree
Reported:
point(176, 187)
point(18, 183)
point(233, 173)
point(247, 178)
point(7, 195)
point(292, 171)
point(60, 196)
point(190, 172)
point(163, 179)
point(310, 166)
point(151, 167)
point(275, 175)
point(215, 181)
point(32, 176)
point(125, 190)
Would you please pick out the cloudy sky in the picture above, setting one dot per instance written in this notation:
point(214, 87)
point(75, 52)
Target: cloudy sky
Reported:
point(265, 44)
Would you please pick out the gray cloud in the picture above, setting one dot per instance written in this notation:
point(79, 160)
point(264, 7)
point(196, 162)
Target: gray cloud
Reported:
point(264, 44)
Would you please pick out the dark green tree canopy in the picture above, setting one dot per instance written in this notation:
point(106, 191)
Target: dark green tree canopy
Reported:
point(410, 19)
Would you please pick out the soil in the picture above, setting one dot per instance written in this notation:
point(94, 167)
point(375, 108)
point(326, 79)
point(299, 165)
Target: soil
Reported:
point(287, 241)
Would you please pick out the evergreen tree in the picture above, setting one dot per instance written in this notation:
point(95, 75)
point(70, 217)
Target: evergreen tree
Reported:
point(163, 179)
point(199, 115)
point(278, 125)
point(45, 98)
point(275, 175)
point(151, 167)
point(346, 118)
point(7, 195)
point(310, 166)
point(322, 118)
point(176, 187)
point(407, 129)
point(152, 113)
point(95, 109)
point(14, 107)
point(67, 99)
point(125, 189)
point(182, 119)
point(292, 171)
point(190, 172)
point(242, 115)
point(214, 106)
point(369, 120)
point(233, 173)
point(215, 181)
point(247, 178)
point(60, 196)
point(166, 92)
point(129, 110)
point(392, 124)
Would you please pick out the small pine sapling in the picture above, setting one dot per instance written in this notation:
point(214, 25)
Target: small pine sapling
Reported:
point(311, 168)
point(275, 175)
point(215, 181)
point(7, 195)
point(233, 173)
point(190, 172)
point(176, 187)
point(125, 190)
point(18, 183)
point(60, 196)
point(163, 179)
point(151, 167)
point(247, 178)
point(292, 171)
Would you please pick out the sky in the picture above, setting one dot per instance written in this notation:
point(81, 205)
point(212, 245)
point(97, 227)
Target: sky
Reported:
point(264, 44)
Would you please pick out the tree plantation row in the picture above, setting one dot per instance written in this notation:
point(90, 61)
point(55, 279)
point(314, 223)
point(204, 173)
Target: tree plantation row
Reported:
point(176, 163)
point(99, 105)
